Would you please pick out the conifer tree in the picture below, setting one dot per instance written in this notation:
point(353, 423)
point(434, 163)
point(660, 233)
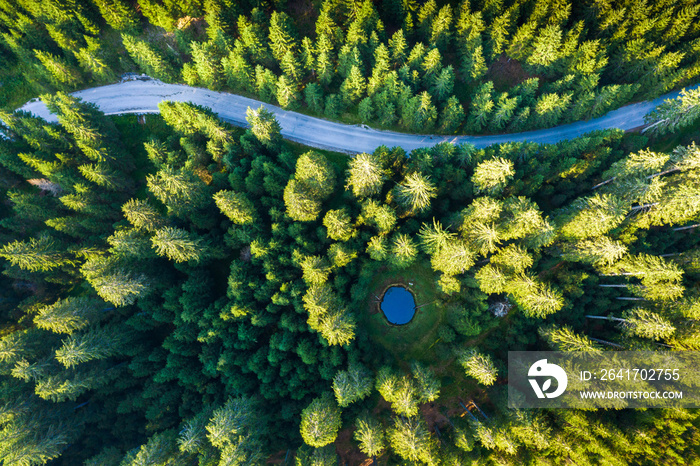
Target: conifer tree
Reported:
point(286, 91)
point(281, 35)
point(313, 96)
point(130, 244)
point(91, 59)
point(234, 430)
point(180, 190)
point(161, 448)
point(454, 258)
point(428, 384)
point(365, 175)
point(377, 248)
point(642, 323)
point(545, 47)
point(478, 366)
point(536, 298)
point(237, 71)
point(415, 192)
point(594, 216)
point(338, 327)
point(503, 112)
point(69, 314)
point(301, 204)
point(59, 70)
point(451, 116)
point(118, 14)
point(324, 456)
point(149, 59)
point(36, 254)
point(647, 324)
point(178, 245)
point(315, 172)
point(353, 88)
point(338, 225)
point(550, 108)
point(492, 175)
point(434, 237)
point(315, 269)
point(481, 108)
point(370, 435)
point(265, 127)
point(597, 251)
point(419, 113)
point(113, 282)
point(91, 344)
point(412, 441)
point(365, 109)
point(565, 339)
point(69, 385)
point(237, 207)
point(142, 215)
point(352, 385)
point(320, 421)
point(674, 114)
point(400, 391)
point(403, 251)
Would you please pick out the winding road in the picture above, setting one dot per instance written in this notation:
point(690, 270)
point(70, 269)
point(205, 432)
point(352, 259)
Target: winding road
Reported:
point(142, 96)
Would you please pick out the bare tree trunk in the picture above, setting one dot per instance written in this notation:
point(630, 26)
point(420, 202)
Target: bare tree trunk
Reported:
point(638, 207)
point(654, 124)
point(608, 343)
point(687, 228)
point(606, 318)
point(665, 172)
point(604, 183)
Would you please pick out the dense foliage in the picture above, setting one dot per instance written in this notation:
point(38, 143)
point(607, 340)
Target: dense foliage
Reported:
point(472, 66)
point(182, 292)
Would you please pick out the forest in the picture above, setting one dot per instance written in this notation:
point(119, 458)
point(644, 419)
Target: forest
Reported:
point(179, 291)
point(444, 67)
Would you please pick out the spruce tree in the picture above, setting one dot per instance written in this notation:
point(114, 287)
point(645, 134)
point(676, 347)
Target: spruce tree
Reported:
point(478, 366)
point(352, 385)
point(320, 421)
point(415, 192)
point(370, 435)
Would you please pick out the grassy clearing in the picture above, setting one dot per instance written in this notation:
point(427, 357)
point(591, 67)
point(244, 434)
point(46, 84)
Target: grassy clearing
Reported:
point(416, 339)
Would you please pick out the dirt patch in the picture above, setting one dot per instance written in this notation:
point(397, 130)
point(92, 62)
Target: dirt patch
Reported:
point(349, 454)
point(433, 417)
point(278, 458)
point(506, 73)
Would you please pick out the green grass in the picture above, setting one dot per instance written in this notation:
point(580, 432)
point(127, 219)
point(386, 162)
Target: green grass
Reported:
point(416, 339)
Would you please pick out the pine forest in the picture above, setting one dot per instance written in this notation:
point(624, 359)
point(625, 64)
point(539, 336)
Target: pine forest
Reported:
point(176, 290)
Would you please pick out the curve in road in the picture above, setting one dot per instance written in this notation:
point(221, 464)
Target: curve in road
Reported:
point(143, 95)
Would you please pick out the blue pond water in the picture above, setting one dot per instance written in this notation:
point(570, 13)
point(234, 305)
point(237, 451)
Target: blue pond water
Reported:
point(398, 305)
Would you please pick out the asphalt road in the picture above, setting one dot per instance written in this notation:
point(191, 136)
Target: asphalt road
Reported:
point(143, 96)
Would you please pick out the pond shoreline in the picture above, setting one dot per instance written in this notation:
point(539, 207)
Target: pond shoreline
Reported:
point(382, 295)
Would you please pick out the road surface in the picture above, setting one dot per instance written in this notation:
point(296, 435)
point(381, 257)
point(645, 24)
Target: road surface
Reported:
point(143, 95)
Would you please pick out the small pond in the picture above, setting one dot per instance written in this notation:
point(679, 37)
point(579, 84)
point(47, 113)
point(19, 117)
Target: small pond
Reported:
point(398, 305)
